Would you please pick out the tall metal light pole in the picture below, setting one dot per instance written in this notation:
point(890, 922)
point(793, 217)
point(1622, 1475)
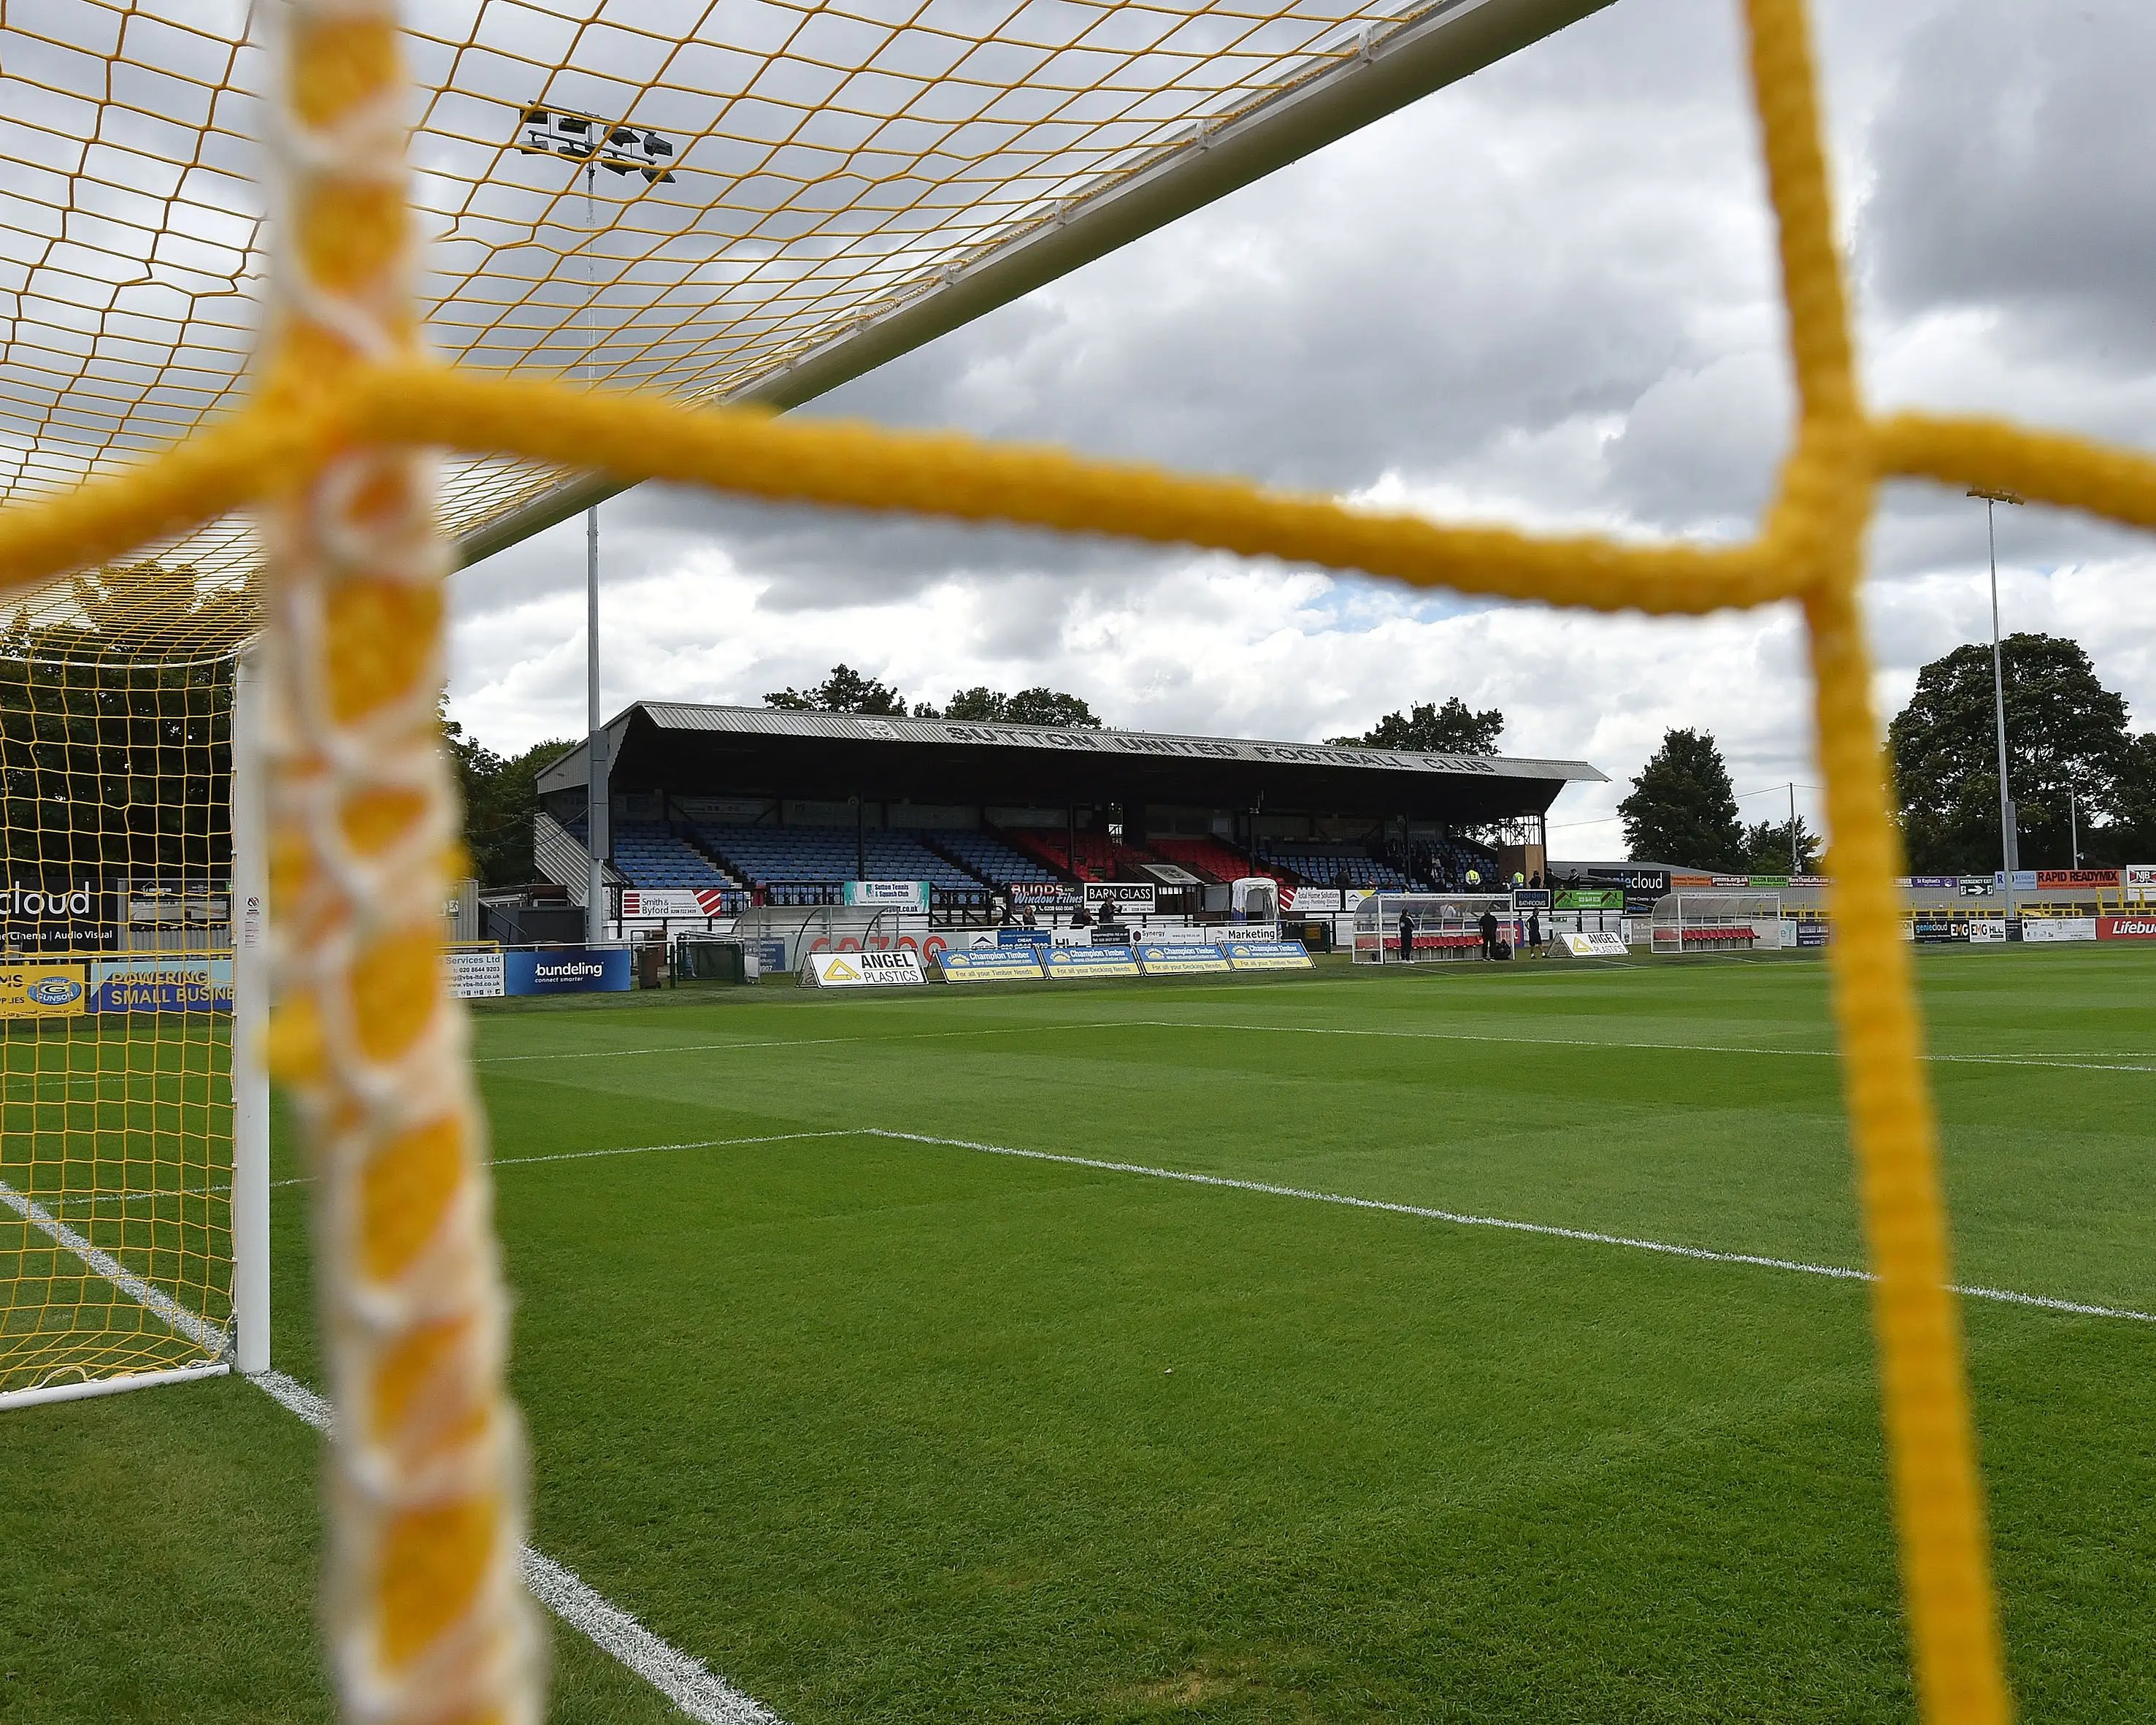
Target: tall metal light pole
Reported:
point(2010, 844)
point(619, 150)
point(596, 805)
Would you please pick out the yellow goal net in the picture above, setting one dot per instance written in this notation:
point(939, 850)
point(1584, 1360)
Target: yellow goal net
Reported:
point(330, 444)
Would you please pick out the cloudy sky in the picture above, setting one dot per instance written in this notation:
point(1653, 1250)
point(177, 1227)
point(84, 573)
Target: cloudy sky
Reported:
point(1545, 295)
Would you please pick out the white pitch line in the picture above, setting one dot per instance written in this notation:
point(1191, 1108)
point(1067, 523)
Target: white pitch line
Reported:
point(1840, 1273)
point(2061, 1063)
point(1586, 1042)
point(804, 1042)
point(684, 1680)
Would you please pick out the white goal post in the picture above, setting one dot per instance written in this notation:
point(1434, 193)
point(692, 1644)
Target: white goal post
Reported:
point(1446, 926)
point(1717, 922)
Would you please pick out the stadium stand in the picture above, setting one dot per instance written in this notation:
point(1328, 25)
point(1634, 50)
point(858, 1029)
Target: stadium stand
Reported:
point(1211, 860)
point(651, 855)
point(810, 865)
point(1324, 865)
point(1098, 858)
point(995, 859)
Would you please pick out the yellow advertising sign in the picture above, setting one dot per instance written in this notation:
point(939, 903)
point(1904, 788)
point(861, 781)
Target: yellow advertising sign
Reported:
point(35, 990)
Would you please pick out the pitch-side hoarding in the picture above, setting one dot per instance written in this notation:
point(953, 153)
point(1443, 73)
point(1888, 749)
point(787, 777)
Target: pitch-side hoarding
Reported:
point(991, 964)
point(1157, 959)
point(864, 969)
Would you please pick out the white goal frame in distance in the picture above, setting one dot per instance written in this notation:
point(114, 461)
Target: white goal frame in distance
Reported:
point(1722, 913)
point(246, 1342)
point(1378, 920)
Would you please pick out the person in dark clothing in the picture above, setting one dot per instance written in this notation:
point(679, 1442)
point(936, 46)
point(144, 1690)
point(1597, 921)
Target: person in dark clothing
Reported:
point(1535, 932)
point(1407, 937)
point(1488, 927)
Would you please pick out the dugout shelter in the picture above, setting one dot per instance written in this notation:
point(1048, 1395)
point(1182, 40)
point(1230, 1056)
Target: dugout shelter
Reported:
point(768, 807)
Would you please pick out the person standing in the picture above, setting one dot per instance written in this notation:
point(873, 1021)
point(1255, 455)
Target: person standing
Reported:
point(1487, 928)
point(1535, 932)
point(1406, 937)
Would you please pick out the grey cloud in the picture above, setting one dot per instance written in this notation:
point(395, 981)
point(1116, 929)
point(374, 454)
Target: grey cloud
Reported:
point(2012, 170)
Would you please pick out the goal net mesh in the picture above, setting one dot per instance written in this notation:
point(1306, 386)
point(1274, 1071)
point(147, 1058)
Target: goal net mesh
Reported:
point(115, 1120)
point(837, 160)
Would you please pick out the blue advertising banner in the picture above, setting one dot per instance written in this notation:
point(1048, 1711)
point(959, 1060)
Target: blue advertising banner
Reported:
point(1267, 954)
point(991, 964)
point(568, 970)
point(1065, 962)
point(176, 984)
point(1158, 960)
point(1024, 937)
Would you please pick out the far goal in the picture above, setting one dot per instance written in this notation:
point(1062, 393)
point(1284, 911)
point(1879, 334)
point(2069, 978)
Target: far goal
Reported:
point(1435, 925)
point(1717, 922)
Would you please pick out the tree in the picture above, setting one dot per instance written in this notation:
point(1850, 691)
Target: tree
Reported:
point(501, 803)
point(1454, 728)
point(846, 690)
point(2065, 732)
point(1039, 706)
point(1681, 808)
point(1767, 849)
point(2130, 835)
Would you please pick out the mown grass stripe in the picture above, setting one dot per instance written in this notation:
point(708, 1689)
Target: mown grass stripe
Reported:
point(1837, 1272)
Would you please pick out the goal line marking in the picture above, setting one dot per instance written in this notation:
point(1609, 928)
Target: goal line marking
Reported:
point(682, 1679)
point(1841, 1272)
point(176, 1317)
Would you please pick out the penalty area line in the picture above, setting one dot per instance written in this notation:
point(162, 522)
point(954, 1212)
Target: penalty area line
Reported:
point(1836, 1272)
point(1457, 1218)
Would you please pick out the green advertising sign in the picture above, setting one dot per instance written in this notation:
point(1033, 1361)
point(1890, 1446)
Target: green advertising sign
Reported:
point(1591, 898)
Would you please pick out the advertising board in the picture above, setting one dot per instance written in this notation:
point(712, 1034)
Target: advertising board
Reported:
point(77, 917)
point(991, 964)
point(864, 969)
point(2125, 928)
point(673, 901)
point(1127, 898)
point(1266, 955)
point(1813, 931)
point(1042, 892)
point(1307, 900)
point(1065, 963)
point(35, 990)
point(2049, 930)
point(176, 984)
point(894, 894)
point(2141, 877)
point(1938, 930)
point(1592, 898)
point(1933, 882)
point(2101, 879)
point(567, 969)
point(1598, 944)
point(476, 975)
point(1157, 959)
point(1531, 898)
point(2024, 881)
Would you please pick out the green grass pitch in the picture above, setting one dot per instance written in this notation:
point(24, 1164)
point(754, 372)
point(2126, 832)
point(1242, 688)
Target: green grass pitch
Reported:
point(890, 1430)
